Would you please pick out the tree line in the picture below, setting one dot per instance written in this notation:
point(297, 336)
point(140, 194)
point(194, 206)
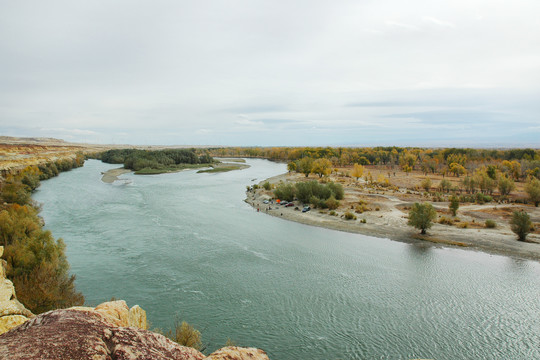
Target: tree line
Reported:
point(36, 262)
point(138, 160)
point(522, 163)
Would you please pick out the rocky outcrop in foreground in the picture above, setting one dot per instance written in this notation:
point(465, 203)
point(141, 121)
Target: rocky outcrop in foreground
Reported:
point(12, 312)
point(111, 331)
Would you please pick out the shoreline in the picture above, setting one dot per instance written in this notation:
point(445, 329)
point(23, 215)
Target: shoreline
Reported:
point(391, 222)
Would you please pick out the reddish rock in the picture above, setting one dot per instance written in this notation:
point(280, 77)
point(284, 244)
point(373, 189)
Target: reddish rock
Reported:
point(79, 334)
point(238, 353)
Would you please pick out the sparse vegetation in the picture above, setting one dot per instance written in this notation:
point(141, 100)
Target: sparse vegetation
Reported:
point(349, 216)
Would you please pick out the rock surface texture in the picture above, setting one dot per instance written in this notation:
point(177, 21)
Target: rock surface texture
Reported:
point(87, 333)
point(12, 312)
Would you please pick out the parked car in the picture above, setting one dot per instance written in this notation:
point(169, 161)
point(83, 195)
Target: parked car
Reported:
point(289, 204)
point(306, 209)
point(266, 202)
point(284, 203)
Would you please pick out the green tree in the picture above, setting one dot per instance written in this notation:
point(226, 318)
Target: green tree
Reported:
point(521, 224)
point(505, 185)
point(454, 205)
point(285, 191)
point(533, 190)
point(421, 216)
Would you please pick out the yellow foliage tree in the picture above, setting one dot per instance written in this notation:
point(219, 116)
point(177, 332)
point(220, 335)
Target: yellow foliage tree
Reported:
point(358, 171)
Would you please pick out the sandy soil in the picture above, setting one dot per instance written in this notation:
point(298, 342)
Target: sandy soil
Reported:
point(390, 220)
point(111, 175)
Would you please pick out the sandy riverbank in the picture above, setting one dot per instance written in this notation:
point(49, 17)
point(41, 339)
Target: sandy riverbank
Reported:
point(390, 221)
point(111, 175)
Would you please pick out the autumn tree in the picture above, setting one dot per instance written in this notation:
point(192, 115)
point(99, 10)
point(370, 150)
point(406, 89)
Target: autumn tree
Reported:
point(407, 162)
point(421, 216)
point(322, 167)
point(291, 166)
point(457, 169)
point(533, 190)
point(305, 166)
point(357, 171)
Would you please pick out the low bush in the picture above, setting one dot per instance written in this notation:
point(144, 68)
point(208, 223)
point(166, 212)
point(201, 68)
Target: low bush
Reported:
point(490, 224)
point(445, 221)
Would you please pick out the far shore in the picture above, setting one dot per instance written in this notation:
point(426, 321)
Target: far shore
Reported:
point(388, 219)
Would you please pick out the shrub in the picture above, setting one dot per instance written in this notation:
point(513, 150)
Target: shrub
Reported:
point(445, 185)
point(521, 224)
point(463, 225)
point(481, 198)
point(186, 335)
point(363, 221)
point(533, 190)
point(285, 191)
point(337, 190)
point(445, 221)
point(426, 184)
point(333, 213)
point(490, 224)
point(454, 205)
point(349, 216)
point(267, 186)
point(332, 203)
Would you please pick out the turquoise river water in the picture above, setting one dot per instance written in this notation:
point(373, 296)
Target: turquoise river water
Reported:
point(185, 246)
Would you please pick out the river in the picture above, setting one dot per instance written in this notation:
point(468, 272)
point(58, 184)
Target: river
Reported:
point(185, 246)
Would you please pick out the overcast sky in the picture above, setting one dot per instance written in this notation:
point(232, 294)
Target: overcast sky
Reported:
point(253, 72)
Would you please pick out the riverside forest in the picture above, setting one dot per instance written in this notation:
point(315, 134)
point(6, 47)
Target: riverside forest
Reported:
point(368, 191)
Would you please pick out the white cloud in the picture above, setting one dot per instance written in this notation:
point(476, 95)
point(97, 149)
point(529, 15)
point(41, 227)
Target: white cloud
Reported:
point(439, 22)
point(97, 72)
point(402, 25)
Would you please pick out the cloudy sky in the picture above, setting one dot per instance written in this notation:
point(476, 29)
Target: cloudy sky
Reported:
point(254, 72)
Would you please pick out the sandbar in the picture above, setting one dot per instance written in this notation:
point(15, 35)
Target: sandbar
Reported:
point(111, 175)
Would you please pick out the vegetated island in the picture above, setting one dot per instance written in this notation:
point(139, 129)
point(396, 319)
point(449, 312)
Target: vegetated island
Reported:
point(152, 162)
point(376, 199)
